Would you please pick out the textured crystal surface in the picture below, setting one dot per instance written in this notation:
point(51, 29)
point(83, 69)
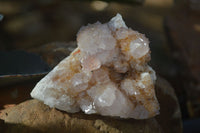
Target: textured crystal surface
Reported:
point(106, 74)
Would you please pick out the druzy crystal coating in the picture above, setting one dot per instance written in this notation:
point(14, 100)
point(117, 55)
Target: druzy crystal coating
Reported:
point(106, 74)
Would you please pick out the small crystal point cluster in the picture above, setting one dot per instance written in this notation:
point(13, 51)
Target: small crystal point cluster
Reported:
point(106, 74)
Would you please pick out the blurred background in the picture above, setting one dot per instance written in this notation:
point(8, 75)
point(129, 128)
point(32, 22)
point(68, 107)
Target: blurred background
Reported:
point(36, 35)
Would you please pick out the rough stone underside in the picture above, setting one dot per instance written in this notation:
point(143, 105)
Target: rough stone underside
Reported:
point(106, 74)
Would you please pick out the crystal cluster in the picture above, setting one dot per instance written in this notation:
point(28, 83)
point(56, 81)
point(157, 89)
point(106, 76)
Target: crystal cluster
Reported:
point(106, 74)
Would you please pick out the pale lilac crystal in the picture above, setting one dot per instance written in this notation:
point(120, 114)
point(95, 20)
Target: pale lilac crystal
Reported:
point(106, 74)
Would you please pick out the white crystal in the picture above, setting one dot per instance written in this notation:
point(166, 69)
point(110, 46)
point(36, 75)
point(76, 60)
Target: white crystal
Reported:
point(80, 81)
point(94, 38)
point(117, 23)
point(129, 87)
point(106, 74)
point(139, 47)
point(103, 95)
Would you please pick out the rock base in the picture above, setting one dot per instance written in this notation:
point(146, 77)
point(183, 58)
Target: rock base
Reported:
point(33, 116)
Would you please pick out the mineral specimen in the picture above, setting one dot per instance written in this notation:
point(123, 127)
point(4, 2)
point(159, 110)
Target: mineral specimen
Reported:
point(106, 74)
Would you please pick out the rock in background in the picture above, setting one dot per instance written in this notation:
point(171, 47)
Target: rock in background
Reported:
point(183, 30)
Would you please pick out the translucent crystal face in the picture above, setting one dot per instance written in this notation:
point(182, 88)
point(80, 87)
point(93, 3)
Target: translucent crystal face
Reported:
point(94, 38)
point(106, 74)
